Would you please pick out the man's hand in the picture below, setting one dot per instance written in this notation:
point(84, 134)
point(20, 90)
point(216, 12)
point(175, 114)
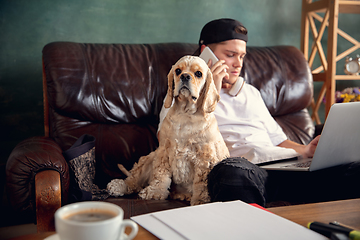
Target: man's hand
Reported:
point(307, 151)
point(219, 71)
point(310, 148)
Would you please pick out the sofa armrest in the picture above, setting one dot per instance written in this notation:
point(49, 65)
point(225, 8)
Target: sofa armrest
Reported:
point(48, 199)
point(27, 159)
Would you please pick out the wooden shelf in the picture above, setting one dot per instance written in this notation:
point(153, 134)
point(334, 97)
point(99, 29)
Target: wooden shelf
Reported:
point(344, 6)
point(347, 77)
point(326, 73)
point(320, 77)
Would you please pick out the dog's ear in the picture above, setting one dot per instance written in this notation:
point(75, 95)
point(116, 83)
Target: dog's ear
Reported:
point(170, 91)
point(209, 95)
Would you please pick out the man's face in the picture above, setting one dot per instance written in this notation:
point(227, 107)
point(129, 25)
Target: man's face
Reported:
point(233, 53)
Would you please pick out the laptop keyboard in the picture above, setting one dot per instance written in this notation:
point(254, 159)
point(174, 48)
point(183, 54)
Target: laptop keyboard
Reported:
point(300, 165)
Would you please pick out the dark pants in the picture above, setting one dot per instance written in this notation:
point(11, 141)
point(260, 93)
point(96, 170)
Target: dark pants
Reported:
point(238, 179)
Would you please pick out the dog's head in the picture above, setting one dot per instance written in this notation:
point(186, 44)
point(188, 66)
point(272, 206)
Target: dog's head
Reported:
point(190, 79)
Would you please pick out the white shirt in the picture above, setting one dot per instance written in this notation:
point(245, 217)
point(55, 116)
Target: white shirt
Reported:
point(247, 127)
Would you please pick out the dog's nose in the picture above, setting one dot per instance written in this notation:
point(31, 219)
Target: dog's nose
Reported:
point(185, 77)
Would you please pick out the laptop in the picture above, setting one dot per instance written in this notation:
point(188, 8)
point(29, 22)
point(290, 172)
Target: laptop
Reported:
point(339, 142)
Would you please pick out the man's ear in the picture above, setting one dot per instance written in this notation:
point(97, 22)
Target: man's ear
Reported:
point(170, 91)
point(202, 47)
point(209, 95)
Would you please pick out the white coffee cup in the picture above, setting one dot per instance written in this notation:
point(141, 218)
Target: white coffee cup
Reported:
point(93, 221)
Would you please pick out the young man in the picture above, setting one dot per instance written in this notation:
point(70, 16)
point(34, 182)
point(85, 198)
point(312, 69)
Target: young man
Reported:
point(253, 127)
point(249, 129)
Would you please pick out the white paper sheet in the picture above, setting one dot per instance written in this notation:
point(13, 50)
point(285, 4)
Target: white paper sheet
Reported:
point(229, 220)
point(156, 227)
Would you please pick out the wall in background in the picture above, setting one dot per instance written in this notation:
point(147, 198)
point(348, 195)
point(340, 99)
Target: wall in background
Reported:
point(26, 26)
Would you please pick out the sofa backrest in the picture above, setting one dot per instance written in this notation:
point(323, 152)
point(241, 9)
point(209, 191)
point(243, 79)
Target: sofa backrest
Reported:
point(285, 82)
point(115, 93)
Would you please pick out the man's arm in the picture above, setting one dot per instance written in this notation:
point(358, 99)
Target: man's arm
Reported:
point(306, 151)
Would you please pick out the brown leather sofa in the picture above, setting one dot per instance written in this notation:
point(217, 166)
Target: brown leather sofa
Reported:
point(115, 93)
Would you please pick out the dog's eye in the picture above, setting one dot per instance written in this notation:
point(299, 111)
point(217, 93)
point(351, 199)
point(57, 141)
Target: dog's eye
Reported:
point(198, 74)
point(178, 71)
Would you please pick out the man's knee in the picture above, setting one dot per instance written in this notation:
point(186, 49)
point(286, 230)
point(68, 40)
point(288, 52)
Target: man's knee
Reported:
point(237, 179)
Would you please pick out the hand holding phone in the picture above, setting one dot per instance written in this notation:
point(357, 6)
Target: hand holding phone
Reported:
point(207, 54)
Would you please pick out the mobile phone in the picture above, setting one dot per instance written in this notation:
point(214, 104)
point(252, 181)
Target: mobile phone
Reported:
point(207, 54)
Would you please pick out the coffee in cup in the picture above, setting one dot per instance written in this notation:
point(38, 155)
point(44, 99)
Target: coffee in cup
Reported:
point(91, 215)
point(92, 221)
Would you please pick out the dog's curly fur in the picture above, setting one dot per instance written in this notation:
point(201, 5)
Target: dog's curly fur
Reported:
point(190, 143)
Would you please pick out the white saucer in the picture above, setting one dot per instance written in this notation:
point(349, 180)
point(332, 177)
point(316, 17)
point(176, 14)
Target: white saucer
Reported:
point(53, 237)
point(56, 237)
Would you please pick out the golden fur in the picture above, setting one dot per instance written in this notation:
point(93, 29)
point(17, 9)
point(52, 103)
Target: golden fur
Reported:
point(190, 143)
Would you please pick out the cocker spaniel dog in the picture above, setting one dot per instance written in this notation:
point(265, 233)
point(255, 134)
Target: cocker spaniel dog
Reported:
point(190, 143)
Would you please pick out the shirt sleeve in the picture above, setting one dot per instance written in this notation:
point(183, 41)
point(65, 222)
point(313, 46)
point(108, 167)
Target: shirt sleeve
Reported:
point(275, 132)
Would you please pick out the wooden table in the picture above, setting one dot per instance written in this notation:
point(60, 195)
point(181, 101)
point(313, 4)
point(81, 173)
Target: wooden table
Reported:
point(345, 211)
point(143, 234)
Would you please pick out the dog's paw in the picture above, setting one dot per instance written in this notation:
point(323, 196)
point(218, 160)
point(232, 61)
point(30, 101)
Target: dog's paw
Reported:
point(181, 196)
point(117, 187)
point(198, 201)
point(152, 193)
